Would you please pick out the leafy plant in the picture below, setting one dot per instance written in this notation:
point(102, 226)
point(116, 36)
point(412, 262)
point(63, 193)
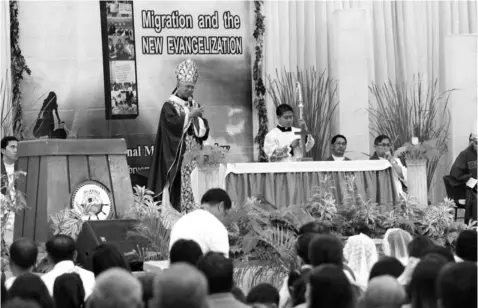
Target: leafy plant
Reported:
point(426, 150)
point(418, 110)
point(319, 94)
point(207, 157)
point(12, 202)
point(69, 221)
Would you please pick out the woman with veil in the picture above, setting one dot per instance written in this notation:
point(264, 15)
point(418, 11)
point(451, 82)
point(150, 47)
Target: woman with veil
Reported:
point(361, 254)
point(395, 244)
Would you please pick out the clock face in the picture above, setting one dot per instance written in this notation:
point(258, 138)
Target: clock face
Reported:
point(93, 201)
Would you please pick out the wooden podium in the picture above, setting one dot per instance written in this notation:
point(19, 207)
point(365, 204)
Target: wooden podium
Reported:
point(57, 168)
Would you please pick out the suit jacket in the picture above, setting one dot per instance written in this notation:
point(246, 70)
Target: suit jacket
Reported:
point(224, 300)
point(330, 158)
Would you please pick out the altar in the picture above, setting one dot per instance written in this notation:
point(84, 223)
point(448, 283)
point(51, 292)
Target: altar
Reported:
point(293, 183)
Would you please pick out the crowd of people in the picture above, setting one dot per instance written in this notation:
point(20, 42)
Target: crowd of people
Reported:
point(412, 272)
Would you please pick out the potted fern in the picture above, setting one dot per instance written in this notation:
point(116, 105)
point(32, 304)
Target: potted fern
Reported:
point(417, 155)
point(208, 160)
point(404, 110)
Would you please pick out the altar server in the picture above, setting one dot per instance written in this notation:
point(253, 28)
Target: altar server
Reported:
point(282, 144)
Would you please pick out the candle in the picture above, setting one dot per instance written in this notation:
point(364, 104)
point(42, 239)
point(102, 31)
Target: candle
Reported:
point(414, 140)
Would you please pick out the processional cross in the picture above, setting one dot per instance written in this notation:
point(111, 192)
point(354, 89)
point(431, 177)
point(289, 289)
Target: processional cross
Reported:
point(303, 129)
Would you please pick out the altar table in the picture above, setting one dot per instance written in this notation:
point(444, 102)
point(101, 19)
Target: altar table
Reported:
point(293, 183)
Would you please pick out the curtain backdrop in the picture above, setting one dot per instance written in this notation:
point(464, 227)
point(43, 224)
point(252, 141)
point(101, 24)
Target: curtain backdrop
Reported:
point(404, 37)
point(5, 61)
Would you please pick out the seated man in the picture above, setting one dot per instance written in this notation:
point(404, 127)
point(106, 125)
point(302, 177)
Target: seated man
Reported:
point(61, 250)
point(463, 173)
point(116, 288)
point(23, 256)
point(383, 151)
point(338, 147)
point(219, 272)
point(281, 143)
point(186, 251)
point(204, 225)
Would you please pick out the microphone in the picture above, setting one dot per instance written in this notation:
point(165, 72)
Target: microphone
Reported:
point(190, 101)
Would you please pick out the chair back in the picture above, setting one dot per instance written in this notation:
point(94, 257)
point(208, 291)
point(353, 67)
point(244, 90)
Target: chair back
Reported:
point(453, 191)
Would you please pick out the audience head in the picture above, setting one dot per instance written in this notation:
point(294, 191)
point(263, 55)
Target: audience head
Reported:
point(382, 144)
point(68, 291)
point(326, 248)
point(419, 245)
point(9, 149)
point(456, 285)
point(439, 250)
point(116, 288)
point(180, 286)
point(23, 256)
point(216, 201)
point(422, 285)
point(328, 286)
point(219, 272)
point(29, 286)
point(387, 266)
point(466, 245)
point(238, 294)
point(107, 256)
point(187, 251)
point(61, 247)
point(361, 254)
point(338, 145)
point(264, 293)
point(316, 227)
point(147, 282)
point(20, 303)
point(383, 292)
point(297, 286)
point(395, 243)
point(302, 246)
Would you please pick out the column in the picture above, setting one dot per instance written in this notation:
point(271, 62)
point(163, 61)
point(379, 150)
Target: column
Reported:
point(460, 74)
point(350, 60)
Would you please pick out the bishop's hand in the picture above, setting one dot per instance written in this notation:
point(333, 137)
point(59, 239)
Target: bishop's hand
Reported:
point(196, 112)
point(295, 143)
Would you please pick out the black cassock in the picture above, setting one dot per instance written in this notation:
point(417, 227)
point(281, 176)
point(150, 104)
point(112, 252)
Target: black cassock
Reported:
point(168, 153)
point(462, 170)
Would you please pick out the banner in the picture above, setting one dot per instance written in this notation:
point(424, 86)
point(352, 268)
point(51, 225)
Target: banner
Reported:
point(111, 67)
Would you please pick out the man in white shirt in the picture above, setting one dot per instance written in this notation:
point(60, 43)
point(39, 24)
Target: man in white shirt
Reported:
point(8, 168)
point(282, 144)
point(204, 225)
point(61, 251)
point(383, 151)
point(23, 256)
point(338, 145)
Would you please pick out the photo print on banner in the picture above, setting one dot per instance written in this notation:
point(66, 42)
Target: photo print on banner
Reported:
point(119, 61)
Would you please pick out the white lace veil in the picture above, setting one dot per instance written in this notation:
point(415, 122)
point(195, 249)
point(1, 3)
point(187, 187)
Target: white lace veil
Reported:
point(361, 254)
point(395, 242)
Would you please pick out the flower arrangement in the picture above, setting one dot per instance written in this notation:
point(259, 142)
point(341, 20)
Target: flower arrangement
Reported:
point(426, 150)
point(207, 157)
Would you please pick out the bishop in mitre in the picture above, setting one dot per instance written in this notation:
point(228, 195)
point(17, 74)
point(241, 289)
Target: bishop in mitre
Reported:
point(282, 144)
point(181, 128)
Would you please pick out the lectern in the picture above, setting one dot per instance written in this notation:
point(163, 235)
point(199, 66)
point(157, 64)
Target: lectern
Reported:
point(62, 173)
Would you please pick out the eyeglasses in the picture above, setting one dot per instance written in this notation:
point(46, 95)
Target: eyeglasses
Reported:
point(340, 143)
point(383, 145)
